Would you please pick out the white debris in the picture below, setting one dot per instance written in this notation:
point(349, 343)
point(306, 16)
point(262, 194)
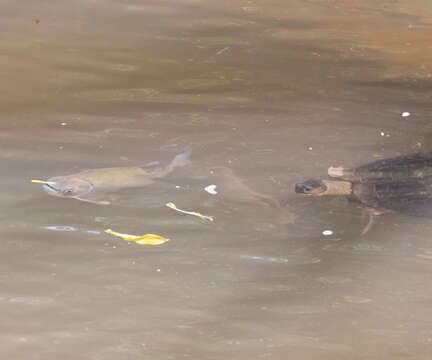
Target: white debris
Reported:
point(405, 114)
point(211, 189)
point(327, 232)
point(194, 213)
point(63, 124)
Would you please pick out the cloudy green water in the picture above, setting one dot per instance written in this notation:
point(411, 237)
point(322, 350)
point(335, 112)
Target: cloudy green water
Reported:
point(273, 91)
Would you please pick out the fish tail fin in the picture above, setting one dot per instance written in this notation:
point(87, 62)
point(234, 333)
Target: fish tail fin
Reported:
point(180, 160)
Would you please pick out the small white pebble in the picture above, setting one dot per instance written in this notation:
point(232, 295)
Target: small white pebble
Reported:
point(211, 189)
point(177, 187)
point(405, 114)
point(63, 124)
point(327, 232)
point(382, 133)
point(158, 270)
point(310, 148)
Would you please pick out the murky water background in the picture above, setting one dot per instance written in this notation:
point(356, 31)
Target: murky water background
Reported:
point(265, 94)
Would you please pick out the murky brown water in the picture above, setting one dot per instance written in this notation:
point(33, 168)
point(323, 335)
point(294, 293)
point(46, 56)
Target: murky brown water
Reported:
point(265, 94)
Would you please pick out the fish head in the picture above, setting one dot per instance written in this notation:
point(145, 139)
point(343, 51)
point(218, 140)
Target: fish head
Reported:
point(311, 187)
point(66, 186)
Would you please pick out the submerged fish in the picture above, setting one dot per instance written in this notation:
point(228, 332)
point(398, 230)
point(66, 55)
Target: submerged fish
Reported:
point(90, 185)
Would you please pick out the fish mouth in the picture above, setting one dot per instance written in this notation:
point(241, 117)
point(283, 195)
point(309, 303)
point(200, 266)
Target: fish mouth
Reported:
point(51, 189)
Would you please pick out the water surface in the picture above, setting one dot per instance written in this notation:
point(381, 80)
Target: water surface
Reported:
point(273, 92)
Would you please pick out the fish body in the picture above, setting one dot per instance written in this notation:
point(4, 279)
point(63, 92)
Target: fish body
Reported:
point(235, 189)
point(90, 185)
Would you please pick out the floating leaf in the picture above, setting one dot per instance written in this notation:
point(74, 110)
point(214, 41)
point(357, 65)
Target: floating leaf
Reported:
point(147, 239)
point(151, 239)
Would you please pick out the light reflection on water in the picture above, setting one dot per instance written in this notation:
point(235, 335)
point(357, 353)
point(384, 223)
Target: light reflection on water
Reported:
point(69, 228)
point(60, 228)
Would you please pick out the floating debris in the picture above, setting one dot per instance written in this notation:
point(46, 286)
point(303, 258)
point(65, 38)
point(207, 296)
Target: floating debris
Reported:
point(405, 114)
point(211, 189)
point(147, 239)
point(327, 232)
point(193, 213)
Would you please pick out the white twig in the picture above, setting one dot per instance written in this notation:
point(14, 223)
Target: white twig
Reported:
point(193, 213)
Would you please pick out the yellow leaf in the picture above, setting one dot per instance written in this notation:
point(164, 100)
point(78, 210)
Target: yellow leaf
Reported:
point(151, 239)
point(126, 237)
point(147, 239)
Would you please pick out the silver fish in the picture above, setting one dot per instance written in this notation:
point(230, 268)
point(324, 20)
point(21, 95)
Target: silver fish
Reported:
point(90, 185)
